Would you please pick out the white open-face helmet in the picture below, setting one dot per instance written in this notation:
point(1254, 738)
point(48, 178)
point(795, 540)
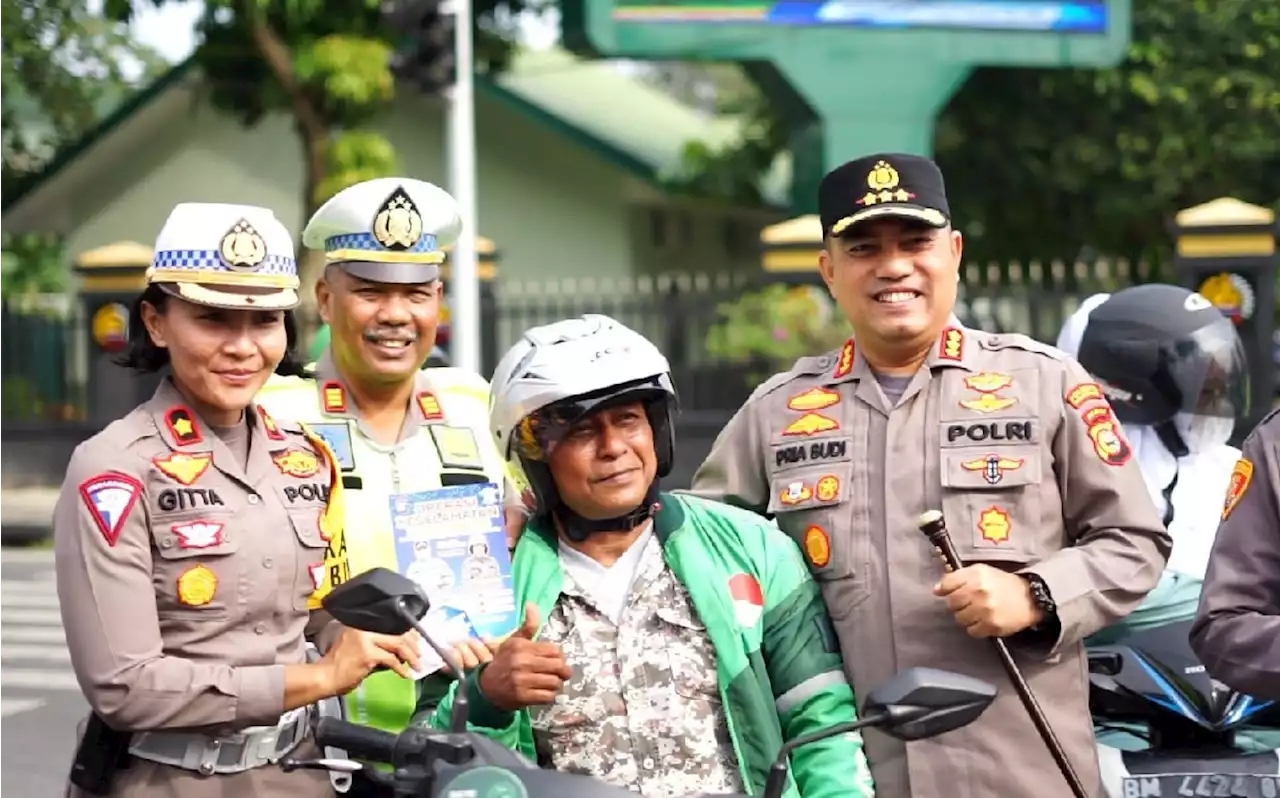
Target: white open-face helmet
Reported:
point(557, 374)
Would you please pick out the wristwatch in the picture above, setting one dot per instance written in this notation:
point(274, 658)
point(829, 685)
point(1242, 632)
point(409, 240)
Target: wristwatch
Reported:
point(1042, 598)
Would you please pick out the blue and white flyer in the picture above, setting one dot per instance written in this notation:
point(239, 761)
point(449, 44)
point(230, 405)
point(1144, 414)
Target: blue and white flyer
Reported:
point(451, 541)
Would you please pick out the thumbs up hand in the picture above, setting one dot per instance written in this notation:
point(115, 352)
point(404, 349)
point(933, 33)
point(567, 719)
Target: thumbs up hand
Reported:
point(525, 672)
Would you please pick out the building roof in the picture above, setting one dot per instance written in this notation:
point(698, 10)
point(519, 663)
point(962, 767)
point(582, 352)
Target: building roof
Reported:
point(633, 125)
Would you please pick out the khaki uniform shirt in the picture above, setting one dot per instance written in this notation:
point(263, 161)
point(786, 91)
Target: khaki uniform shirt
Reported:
point(184, 576)
point(1018, 448)
point(642, 710)
point(1237, 629)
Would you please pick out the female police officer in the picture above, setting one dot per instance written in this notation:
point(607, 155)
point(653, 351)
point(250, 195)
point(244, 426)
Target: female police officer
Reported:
point(191, 536)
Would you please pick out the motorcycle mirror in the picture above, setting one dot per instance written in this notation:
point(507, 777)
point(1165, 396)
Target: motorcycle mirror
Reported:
point(374, 602)
point(924, 702)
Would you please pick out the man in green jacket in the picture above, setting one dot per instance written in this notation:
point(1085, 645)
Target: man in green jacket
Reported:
point(684, 641)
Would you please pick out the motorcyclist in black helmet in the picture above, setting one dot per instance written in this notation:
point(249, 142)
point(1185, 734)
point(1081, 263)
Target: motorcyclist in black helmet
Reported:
point(1174, 370)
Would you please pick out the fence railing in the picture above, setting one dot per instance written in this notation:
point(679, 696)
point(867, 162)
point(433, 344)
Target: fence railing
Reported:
point(39, 372)
point(44, 379)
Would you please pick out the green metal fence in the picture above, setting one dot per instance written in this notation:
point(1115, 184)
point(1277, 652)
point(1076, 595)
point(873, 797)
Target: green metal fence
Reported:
point(37, 361)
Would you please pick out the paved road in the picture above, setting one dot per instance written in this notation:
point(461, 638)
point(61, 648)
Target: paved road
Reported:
point(40, 702)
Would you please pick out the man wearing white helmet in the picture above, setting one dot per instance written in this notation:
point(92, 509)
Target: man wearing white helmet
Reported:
point(398, 429)
point(684, 641)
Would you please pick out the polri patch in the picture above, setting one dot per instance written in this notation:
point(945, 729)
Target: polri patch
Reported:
point(1241, 476)
point(110, 497)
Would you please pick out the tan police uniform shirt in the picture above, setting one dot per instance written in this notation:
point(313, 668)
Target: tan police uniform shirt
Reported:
point(1019, 449)
point(1237, 628)
point(183, 576)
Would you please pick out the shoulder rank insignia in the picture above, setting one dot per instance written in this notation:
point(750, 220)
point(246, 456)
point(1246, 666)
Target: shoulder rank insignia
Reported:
point(430, 407)
point(813, 399)
point(844, 363)
point(185, 468)
point(951, 344)
point(334, 397)
point(269, 425)
point(182, 426)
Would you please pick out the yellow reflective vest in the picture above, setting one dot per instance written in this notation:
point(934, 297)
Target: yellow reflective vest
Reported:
point(445, 441)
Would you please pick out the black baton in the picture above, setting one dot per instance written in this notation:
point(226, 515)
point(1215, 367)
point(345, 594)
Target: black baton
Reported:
point(934, 527)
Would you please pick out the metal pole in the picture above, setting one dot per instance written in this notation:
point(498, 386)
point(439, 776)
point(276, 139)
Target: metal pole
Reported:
point(464, 282)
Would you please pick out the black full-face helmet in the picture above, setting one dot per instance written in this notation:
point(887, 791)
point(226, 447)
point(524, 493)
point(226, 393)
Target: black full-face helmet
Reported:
point(1167, 358)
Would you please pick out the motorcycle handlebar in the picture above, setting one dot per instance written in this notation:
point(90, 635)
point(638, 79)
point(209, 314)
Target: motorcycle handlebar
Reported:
point(360, 742)
point(375, 745)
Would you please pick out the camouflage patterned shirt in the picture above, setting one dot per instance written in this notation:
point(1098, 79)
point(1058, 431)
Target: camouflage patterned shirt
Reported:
point(642, 710)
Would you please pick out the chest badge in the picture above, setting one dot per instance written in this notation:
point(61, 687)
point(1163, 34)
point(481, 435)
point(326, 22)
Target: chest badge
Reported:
point(185, 468)
point(813, 399)
point(993, 467)
point(810, 424)
point(748, 599)
point(827, 488)
point(197, 586)
point(994, 524)
point(817, 546)
point(795, 493)
point(297, 463)
point(198, 534)
point(988, 385)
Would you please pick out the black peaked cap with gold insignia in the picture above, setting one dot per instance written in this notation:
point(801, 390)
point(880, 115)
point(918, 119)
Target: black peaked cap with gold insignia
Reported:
point(894, 185)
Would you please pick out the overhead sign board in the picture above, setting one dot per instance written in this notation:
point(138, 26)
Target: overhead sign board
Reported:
point(1082, 16)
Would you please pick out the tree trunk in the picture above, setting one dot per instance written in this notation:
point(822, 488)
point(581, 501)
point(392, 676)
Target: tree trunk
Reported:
point(313, 130)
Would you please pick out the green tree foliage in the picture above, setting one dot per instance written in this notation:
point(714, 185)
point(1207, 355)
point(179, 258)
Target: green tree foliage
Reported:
point(62, 68)
point(1062, 163)
point(1047, 162)
point(32, 263)
point(326, 63)
point(765, 331)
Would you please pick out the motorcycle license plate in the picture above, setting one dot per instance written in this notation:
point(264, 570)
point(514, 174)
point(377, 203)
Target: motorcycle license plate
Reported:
point(1202, 785)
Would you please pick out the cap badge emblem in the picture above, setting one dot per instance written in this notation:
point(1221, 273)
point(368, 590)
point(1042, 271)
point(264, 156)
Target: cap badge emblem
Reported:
point(398, 225)
point(883, 181)
point(242, 248)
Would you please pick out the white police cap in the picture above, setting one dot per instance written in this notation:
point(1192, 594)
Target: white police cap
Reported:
point(389, 230)
point(226, 256)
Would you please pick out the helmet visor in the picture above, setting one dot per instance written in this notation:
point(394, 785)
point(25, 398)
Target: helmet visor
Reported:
point(538, 433)
point(1210, 372)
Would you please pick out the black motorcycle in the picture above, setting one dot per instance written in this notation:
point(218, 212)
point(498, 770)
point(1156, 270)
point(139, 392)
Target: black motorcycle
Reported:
point(1195, 731)
point(916, 703)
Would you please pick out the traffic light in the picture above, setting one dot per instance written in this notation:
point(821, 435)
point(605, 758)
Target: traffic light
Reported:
point(425, 58)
